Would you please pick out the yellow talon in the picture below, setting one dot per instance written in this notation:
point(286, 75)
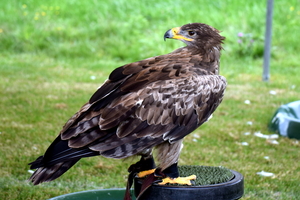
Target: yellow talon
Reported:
point(179, 180)
point(145, 173)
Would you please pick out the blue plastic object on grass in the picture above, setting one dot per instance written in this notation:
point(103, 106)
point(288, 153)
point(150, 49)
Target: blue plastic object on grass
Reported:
point(286, 120)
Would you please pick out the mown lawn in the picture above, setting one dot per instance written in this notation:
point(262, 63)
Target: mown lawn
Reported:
point(54, 55)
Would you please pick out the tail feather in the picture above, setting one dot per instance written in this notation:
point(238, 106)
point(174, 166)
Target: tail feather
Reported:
point(58, 158)
point(49, 173)
point(37, 163)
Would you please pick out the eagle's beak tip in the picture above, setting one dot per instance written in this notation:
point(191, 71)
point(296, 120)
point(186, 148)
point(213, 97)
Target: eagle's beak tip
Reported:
point(168, 34)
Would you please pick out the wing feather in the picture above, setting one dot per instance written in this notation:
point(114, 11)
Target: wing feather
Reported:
point(164, 110)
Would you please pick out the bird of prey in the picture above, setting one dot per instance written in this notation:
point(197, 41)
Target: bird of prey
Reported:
point(145, 105)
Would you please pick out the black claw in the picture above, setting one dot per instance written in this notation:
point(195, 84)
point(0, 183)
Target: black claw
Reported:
point(159, 174)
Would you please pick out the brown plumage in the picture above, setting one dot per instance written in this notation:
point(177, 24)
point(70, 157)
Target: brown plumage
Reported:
point(151, 103)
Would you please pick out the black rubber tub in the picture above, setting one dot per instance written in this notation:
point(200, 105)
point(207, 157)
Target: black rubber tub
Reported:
point(233, 189)
point(229, 190)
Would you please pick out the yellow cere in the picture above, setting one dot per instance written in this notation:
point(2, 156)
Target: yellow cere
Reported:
point(178, 36)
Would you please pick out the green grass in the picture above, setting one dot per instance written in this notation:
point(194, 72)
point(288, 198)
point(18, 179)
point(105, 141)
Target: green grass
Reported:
point(54, 54)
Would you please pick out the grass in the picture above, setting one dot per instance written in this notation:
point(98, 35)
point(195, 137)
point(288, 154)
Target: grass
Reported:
point(54, 54)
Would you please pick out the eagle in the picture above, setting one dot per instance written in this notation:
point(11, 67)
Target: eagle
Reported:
point(144, 106)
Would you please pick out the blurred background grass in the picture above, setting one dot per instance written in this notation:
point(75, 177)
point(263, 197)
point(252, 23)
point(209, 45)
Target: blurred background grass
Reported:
point(54, 54)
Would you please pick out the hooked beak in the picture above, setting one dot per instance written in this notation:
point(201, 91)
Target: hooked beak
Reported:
point(174, 34)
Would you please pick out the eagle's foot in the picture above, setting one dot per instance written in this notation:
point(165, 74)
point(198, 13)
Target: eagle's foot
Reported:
point(142, 174)
point(179, 180)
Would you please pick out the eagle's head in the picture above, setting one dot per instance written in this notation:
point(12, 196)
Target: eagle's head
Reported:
point(197, 34)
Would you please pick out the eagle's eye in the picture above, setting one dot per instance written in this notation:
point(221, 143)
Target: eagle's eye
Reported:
point(191, 33)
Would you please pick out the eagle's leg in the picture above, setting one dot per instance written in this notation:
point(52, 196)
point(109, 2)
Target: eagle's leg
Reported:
point(171, 175)
point(144, 166)
point(147, 166)
point(169, 153)
point(146, 163)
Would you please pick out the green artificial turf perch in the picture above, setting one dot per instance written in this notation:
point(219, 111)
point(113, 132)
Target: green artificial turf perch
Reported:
point(206, 175)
